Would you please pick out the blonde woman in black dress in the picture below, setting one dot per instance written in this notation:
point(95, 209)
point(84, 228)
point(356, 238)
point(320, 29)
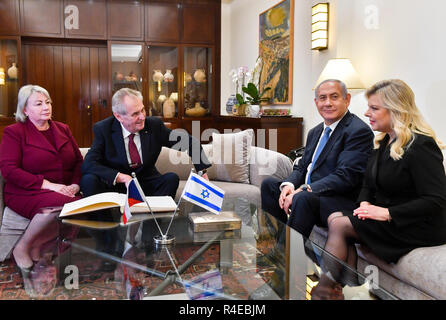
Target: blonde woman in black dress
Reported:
point(402, 205)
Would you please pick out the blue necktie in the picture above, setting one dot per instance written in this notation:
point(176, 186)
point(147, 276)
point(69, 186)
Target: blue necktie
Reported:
point(319, 149)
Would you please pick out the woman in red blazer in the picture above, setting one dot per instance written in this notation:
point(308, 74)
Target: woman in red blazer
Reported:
point(41, 164)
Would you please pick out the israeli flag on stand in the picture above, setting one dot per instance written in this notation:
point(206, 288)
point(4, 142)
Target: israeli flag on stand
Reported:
point(201, 192)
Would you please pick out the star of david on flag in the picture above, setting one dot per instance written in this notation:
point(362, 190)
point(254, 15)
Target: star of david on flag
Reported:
point(201, 192)
point(133, 197)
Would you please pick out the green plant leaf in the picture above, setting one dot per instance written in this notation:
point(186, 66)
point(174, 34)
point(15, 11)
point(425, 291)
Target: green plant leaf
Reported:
point(239, 99)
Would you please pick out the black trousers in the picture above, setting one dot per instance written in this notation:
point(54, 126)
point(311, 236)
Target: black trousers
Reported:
point(307, 210)
point(161, 185)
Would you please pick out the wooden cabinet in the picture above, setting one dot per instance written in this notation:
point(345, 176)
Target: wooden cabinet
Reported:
point(43, 18)
point(162, 22)
point(199, 23)
point(125, 20)
point(9, 17)
point(275, 133)
point(92, 19)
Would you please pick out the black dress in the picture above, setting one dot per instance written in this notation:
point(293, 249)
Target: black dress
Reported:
point(414, 190)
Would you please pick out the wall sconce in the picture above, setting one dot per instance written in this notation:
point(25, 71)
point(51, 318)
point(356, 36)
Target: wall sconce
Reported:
point(341, 69)
point(2, 76)
point(319, 26)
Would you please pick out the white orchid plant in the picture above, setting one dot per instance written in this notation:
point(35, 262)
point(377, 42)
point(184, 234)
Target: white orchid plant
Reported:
point(240, 75)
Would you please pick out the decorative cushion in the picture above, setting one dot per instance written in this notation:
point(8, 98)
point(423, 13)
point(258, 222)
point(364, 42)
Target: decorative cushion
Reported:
point(231, 154)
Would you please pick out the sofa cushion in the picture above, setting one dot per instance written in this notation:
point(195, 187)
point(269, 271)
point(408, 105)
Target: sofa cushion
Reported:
point(425, 268)
point(13, 223)
point(231, 155)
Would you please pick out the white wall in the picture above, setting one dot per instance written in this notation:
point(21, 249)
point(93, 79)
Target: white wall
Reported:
point(408, 43)
point(243, 49)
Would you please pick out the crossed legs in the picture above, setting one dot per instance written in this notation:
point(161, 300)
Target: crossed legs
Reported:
point(341, 235)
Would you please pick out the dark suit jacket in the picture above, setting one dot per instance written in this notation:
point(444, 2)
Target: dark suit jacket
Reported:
point(413, 188)
point(107, 155)
point(340, 167)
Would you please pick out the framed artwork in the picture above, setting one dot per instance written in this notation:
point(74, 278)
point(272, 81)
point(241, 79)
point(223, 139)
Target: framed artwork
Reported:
point(276, 26)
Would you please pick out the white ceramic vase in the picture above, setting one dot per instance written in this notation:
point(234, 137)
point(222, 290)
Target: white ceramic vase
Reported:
point(12, 71)
point(169, 108)
point(157, 76)
point(168, 76)
point(254, 111)
point(200, 75)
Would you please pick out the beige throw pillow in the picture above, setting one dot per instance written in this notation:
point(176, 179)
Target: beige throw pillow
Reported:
point(231, 155)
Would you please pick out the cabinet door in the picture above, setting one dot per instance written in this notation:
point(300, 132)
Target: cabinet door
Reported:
point(199, 23)
point(162, 22)
point(9, 17)
point(42, 18)
point(198, 81)
point(125, 20)
point(92, 19)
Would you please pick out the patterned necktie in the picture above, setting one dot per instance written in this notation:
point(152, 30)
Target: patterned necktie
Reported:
point(134, 154)
point(319, 149)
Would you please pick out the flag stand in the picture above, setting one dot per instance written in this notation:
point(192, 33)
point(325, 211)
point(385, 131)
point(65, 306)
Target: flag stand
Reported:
point(162, 239)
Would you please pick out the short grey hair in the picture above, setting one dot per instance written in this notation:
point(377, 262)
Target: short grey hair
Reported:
point(342, 84)
point(118, 99)
point(24, 93)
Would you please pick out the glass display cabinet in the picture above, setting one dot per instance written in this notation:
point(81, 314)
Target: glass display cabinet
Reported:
point(163, 81)
point(197, 81)
point(9, 76)
point(126, 65)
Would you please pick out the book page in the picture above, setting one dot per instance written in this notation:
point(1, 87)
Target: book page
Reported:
point(95, 202)
point(157, 203)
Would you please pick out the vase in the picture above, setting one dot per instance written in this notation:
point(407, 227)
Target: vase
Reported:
point(157, 76)
point(196, 111)
point(200, 75)
point(168, 76)
point(12, 71)
point(119, 76)
point(232, 100)
point(239, 110)
point(187, 77)
point(169, 108)
point(254, 111)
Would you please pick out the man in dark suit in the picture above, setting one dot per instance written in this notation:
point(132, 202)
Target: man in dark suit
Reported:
point(329, 175)
point(131, 142)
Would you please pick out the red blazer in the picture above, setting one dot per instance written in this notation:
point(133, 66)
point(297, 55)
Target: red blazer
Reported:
point(26, 158)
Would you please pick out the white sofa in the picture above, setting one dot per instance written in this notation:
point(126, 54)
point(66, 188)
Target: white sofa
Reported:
point(421, 274)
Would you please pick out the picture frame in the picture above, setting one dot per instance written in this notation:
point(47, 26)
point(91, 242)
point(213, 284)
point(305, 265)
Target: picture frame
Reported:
point(276, 40)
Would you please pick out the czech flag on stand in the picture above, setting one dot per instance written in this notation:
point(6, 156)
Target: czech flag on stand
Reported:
point(133, 197)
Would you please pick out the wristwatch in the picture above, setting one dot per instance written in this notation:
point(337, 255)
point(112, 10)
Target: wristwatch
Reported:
point(305, 187)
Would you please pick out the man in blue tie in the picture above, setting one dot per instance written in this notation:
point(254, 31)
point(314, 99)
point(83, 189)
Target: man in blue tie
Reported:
point(329, 175)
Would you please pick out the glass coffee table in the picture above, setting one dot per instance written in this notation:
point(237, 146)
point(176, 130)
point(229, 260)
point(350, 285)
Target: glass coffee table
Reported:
point(263, 260)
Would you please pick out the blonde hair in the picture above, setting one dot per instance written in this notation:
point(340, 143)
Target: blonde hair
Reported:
point(406, 119)
point(24, 93)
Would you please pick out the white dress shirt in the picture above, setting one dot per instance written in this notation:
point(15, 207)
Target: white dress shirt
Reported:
point(136, 139)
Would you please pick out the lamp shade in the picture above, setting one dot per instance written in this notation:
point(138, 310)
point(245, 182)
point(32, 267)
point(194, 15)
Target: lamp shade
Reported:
point(341, 69)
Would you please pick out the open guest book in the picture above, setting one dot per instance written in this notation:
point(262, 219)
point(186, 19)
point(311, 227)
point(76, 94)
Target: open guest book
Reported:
point(108, 200)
